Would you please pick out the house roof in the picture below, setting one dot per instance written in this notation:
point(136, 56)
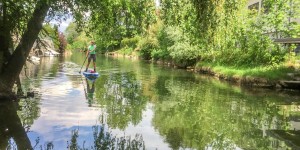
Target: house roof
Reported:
point(288, 40)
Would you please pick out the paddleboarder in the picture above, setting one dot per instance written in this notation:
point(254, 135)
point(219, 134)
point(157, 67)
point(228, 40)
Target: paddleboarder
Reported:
point(91, 54)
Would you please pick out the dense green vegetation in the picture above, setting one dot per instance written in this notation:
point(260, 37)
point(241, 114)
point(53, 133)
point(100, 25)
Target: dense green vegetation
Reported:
point(223, 33)
point(20, 26)
point(112, 21)
point(184, 32)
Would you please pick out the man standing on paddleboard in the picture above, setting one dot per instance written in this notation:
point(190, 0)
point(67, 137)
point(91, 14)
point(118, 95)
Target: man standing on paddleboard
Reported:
point(91, 54)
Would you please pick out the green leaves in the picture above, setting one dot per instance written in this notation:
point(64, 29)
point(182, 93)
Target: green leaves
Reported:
point(114, 20)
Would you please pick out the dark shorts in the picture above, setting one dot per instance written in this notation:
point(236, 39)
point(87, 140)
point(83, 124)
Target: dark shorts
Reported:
point(93, 57)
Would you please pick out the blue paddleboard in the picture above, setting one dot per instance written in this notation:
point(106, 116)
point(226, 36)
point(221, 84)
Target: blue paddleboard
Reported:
point(91, 75)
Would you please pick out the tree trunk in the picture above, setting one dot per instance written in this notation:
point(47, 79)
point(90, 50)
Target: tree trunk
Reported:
point(5, 38)
point(12, 69)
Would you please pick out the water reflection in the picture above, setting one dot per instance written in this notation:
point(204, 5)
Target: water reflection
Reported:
point(90, 90)
point(123, 100)
point(14, 136)
point(11, 127)
point(104, 140)
point(218, 117)
point(170, 109)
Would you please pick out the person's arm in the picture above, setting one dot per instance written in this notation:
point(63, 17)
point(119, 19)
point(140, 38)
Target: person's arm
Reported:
point(88, 51)
point(94, 46)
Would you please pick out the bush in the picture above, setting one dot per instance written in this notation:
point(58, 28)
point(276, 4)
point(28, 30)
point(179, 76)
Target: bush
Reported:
point(149, 42)
point(168, 43)
point(146, 46)
point(161, 54)
point(174, 44)
point(130, 42)
point(184, 54)
point(164, 42)
point(126, 50)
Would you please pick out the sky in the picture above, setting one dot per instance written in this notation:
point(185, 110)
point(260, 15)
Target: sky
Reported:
point(157, 2)
point(63, 25)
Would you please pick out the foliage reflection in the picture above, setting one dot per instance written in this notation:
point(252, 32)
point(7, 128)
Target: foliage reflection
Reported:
point(105, 140)
point(122, 97)
point(201, 116)
point(14, 136)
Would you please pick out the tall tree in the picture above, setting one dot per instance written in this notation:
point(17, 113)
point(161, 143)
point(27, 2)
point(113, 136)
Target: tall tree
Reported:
point(113, 20)
point(62, 42)
point(13, 64)
point(23, 20)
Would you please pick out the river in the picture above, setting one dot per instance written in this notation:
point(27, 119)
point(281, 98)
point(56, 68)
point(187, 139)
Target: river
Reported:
point(150, 106)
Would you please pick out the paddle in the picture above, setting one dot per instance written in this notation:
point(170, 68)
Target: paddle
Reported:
point(84, 62)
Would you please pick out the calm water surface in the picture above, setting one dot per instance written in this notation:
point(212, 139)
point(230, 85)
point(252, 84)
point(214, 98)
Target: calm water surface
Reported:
point(164, 108)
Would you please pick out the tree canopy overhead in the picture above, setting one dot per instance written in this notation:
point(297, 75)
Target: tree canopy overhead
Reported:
point(20, 24)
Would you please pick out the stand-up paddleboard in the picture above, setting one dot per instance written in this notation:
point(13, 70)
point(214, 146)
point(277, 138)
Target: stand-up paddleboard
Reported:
point(91, 75)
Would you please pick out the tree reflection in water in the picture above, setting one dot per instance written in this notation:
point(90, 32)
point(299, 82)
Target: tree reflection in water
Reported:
point(11, 127)
point(123, 98)
point(104, 140)
point(14, 136)
point(221, 117)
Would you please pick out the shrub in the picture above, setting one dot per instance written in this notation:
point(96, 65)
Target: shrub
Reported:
point(149, 42)
point(174, 44)
point(130, 42)
point(126, 50)
point(146, 45)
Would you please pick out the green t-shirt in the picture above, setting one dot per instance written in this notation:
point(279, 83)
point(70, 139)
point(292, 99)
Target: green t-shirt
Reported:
point(92, 49)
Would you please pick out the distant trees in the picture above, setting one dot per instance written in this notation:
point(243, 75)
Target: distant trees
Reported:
point(71, 33)
point(62, 42)
point(112, 21)
point(76, 38)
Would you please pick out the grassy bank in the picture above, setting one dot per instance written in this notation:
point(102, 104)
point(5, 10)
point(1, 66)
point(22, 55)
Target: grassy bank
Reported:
point(270, 73)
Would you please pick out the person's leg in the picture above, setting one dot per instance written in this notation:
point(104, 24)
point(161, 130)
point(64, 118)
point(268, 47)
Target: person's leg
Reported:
point(94, 66)
point(87, 66)
point(94, 62)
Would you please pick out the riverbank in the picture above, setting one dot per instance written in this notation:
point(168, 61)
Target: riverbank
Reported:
point(285, 76)
point(266, 77)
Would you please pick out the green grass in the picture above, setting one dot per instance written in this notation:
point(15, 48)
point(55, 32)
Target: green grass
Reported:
point(271, 73)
